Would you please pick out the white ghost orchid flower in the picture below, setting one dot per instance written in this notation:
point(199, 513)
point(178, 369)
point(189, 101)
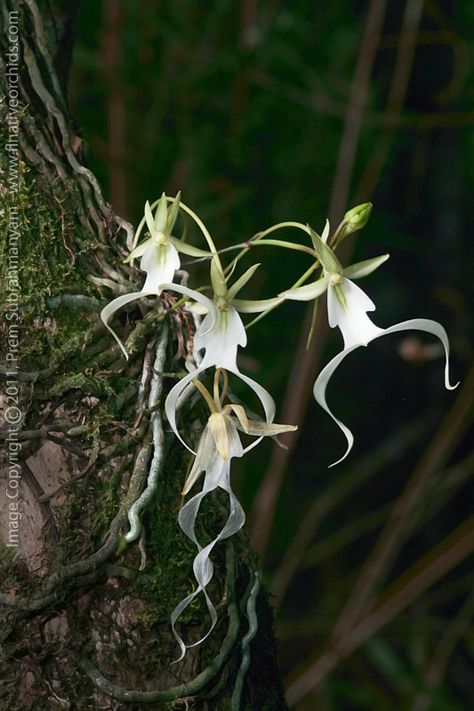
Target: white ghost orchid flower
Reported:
point(218, 445)
point(219, 335)
point(159, 257)
point(160, 252)
point(347, 308)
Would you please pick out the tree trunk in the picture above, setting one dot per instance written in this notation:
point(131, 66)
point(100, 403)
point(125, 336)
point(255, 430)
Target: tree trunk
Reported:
point(82, 431)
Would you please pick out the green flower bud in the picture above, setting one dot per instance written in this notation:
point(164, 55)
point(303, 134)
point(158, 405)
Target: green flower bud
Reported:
point(354, 220)
point(357, 218)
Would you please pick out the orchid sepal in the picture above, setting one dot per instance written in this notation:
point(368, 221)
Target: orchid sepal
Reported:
point(308, 292)
point(188, 249)
point(241, 282)
point(257, 306)
point(324, 253)
point(138, 251)
point(359, 270)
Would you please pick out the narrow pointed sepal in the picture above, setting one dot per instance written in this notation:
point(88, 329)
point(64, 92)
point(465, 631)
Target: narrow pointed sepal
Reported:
point(326, 256)
point(188, 249)
point(242, 281)
point(138, 251)
point(364, 268)
point(308, 292)
point(257, 306)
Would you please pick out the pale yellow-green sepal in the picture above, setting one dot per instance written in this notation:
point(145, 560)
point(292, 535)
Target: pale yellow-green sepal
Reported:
point(241, 415)
point(241, 281)
point(161, 214)
point(326, 256)
point(257, 306)
point(260, 429)
point(364, 268)
point(188, 249)
point(173, 212)
point(218, 429)
point(138, 251)
point(218, 281)
point(308, 292)
point(150, 222)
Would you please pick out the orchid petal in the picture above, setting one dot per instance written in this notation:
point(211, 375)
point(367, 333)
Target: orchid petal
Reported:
point(218, 428)
point(161, 214)
point(325, 234)
point(205, 459)
point(308, 292)
point(366, 267)
point(218, 281)
point(265, 398)
point(109, 310)
point(173, 212)
point(150, 222)
point(242, 421)
point(326, 256)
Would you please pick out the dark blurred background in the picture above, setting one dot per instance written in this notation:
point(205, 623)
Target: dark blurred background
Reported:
point(267, 111)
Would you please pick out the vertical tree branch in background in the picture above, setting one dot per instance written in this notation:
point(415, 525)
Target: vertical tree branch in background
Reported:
point(405, 55)
point(116, 114)
point(307, 360)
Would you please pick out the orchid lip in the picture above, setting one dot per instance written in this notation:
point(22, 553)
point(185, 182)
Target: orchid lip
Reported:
point(319, 389)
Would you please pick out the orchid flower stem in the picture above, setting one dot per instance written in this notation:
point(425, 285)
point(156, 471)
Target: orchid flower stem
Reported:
point(201, 226)
point(314, 317)
point(245, 246)
point(333, 239)
point(282, 225)
point(285, 245)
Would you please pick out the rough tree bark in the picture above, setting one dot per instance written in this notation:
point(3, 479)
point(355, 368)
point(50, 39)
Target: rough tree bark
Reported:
point(72, 599)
